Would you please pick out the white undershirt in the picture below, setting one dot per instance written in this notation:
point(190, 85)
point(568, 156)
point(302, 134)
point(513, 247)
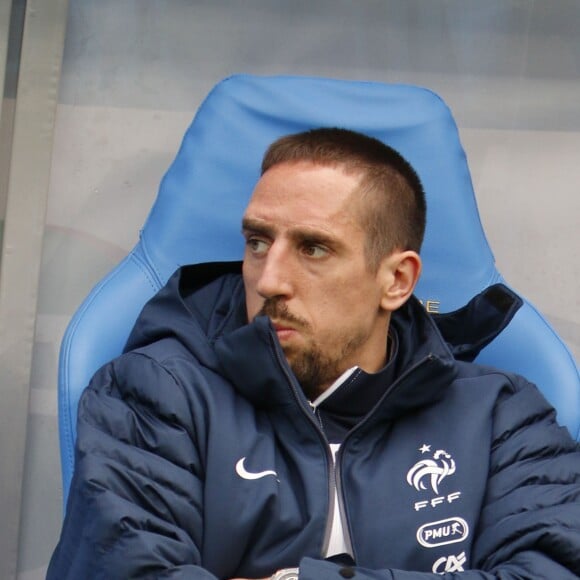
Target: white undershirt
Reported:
point(337, 543)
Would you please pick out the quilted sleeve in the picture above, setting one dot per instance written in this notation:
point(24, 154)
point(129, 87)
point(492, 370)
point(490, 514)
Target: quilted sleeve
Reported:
point(532, 506)
point(135, 504)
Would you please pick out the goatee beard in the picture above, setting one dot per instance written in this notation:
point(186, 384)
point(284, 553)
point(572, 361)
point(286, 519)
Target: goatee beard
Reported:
point(314, 370)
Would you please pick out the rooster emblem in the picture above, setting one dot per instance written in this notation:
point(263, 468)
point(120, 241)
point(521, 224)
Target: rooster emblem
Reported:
point(432, 470)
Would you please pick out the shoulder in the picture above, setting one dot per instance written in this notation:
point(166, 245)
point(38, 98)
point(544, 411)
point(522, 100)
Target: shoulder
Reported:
point(161, 379)
point(504, 384)
point(517, 405)
point(526, 436)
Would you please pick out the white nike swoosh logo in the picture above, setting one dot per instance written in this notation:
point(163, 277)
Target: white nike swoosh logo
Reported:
point(244, 474)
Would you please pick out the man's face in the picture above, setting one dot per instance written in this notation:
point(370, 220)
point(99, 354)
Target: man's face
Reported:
point(305, 268)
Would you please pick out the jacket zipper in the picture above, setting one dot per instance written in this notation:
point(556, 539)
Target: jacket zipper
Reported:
point(310, 413)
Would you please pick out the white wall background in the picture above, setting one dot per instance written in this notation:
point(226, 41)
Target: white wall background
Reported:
point(135, 71)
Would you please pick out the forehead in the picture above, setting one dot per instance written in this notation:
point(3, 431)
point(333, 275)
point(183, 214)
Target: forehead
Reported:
point(306, 193)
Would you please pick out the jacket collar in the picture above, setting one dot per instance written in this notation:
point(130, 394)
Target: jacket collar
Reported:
point(252, 359)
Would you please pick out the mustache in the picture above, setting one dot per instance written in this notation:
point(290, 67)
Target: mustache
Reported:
point(277, 310)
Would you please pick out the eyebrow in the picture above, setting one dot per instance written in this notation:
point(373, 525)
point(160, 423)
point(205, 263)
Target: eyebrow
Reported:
point(300, 234)
point(256, 227)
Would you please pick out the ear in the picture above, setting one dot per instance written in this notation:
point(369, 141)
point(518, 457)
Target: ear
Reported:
point(400, 273)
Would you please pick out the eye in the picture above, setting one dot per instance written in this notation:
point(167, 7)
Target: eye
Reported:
point(315, 251)
point(257, 246)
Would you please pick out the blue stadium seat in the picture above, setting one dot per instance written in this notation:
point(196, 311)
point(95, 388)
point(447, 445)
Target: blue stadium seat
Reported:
point(196, 218)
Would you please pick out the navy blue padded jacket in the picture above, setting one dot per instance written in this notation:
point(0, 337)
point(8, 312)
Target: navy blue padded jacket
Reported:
point(199, 457)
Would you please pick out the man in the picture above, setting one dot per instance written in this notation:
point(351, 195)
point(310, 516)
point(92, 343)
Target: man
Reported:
point(305, 417)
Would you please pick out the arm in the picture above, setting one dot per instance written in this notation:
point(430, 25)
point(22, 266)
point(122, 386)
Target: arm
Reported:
point(135, 504)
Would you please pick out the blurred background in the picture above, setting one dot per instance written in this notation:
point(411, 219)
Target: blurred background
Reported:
point(96, 99)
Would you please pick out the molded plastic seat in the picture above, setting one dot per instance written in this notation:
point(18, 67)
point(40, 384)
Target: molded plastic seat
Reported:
point(196, 218)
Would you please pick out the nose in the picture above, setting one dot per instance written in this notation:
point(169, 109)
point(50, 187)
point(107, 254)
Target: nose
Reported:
point(274, 279)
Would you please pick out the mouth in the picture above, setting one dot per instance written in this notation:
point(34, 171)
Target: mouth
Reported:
point(284, 330)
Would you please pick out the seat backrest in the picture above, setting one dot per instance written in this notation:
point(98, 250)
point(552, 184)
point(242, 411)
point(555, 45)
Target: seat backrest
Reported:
point(196, 218)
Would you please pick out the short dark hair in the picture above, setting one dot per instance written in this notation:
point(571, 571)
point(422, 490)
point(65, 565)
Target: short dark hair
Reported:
point(395, 213)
